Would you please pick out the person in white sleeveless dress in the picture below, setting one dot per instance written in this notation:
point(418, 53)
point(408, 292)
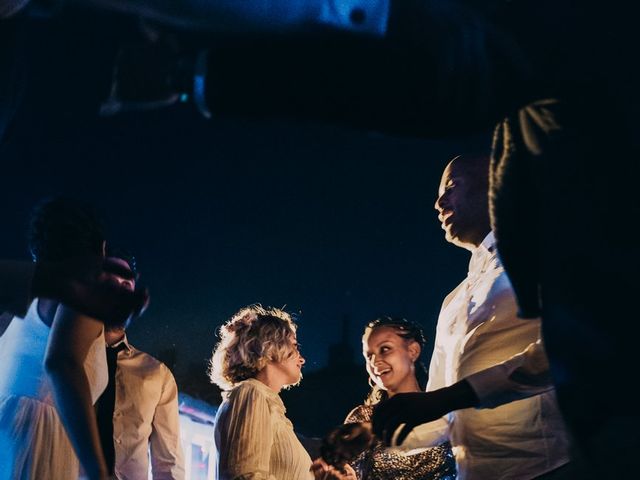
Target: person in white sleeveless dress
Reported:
point(52, 364)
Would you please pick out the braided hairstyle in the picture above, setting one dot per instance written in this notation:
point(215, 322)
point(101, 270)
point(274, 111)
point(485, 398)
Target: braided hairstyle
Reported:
point(411, 332)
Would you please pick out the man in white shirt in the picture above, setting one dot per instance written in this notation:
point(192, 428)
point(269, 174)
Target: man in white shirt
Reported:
point(138, 413)
point(478, 329)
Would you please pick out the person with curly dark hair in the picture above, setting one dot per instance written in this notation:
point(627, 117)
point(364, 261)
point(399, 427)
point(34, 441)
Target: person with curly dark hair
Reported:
point(52, 361)
point(257, 356)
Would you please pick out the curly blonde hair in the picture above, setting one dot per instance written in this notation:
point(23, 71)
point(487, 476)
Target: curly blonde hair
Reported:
point(252, 337)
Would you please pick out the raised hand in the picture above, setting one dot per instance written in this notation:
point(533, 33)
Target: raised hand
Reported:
point(81, 284)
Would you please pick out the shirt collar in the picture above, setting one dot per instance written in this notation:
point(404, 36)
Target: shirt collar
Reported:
point(124, 341)
point(484, 251)
point(489, 242)
point(262, 387)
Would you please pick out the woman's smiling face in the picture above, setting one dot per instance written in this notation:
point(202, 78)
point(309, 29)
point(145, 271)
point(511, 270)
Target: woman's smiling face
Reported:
point(390, 360)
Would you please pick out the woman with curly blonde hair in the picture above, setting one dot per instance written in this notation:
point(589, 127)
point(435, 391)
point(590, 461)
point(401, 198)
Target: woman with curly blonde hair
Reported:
point(256, 358)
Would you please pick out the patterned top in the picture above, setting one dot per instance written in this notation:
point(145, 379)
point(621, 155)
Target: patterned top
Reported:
point(380, 463)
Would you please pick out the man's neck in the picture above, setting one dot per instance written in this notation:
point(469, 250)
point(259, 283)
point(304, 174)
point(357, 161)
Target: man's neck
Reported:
point(472, 242)
point(479, 239)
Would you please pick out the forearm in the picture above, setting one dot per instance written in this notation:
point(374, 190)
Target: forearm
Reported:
point(167, 459)
point(73, 403)
point(71, 337)
point(458, 396)
point(394, 418)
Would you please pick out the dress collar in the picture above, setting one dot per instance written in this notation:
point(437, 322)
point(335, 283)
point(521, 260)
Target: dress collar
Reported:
point(261, 386)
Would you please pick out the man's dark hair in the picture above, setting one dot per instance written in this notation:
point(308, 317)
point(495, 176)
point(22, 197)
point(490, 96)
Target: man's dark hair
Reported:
point(61, 228)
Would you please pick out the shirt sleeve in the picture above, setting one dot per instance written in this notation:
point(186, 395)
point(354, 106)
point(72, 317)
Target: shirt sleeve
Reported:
point(522, 376)
point(245, 451)
point(167, 460)
point(15, 286)
point(429, 434)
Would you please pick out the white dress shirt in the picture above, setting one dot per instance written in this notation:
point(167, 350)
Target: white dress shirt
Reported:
point(145, 419)
point(477, 331)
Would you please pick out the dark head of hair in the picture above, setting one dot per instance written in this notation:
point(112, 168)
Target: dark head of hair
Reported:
point(123, 254)
point(62, 228)
point(410, 331)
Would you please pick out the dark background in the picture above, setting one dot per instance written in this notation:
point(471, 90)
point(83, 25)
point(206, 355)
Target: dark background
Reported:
point(334, 224)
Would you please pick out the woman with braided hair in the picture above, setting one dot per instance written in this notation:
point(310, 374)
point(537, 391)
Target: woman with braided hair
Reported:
point(391, 348)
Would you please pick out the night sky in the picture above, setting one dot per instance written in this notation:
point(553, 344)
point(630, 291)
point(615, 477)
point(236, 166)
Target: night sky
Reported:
point(329, 222)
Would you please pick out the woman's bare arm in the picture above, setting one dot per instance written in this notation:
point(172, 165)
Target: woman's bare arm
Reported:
point(72, 334)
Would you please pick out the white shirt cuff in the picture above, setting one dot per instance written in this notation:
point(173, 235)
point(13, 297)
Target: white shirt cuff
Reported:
point(423, 436)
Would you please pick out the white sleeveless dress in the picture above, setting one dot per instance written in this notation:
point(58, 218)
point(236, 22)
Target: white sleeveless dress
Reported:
point(33, 442)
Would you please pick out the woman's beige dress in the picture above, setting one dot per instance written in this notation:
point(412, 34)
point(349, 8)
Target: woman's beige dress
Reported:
point(254, 438)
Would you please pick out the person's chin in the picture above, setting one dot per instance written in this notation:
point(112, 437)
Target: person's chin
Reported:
point(294, 382)
point(387, 386)
point(449, 234)
point(453, 237)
